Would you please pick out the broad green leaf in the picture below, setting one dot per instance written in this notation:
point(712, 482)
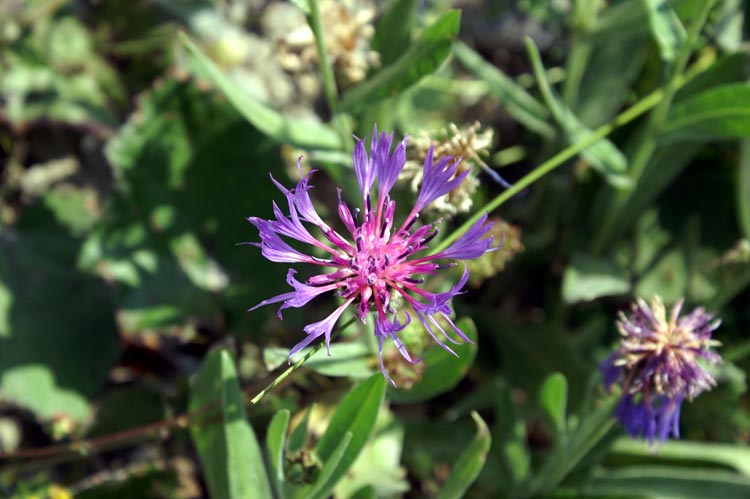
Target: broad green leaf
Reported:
point(683, 453)
point(442, 370)
point(666, 28)
point(730, 68)
point(58, 336)
point(587, 278)
point(423, 57)
point(356, 416)
point(469, 463)
point(743, 187)
point(393, 32)
point(300, 133)
point(347, 359)
point(379, 463)
point(554, 400)
point(667, 482)
point(275, 440)
point(606, 85)
point(520, 104)
point(603, 155)
point(169, 231)
point(229, 453)
point(718, 113)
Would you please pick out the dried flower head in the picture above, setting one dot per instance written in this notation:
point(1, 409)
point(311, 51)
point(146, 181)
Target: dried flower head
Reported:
point(491, 263)
point(378, 260)
point(348, 31)
point(467, 143)
point(659, 363)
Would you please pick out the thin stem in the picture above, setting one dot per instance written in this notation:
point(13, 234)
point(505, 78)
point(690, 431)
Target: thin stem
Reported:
point(555, 161)
point(326, 70)
point(281, 377)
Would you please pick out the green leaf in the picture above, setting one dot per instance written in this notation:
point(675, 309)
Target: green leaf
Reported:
point(275, 439)
point(587, 278)
point(592, 429)
point(366, 492)
point(356, 416)
point(603, 155)
point(442, 370)
point(743, 187)
point(300, 133)
point(469, 463)
point(520, 104)
point(379, 463)
point(729, 68)
point(393, 32)
point(58, 336)
point(554, 400)
point(510, 435)
point(299, 434)
point(685, 453)
point(229, 453)
point(666, 482)
point(424, 56)
point(666, 28)
point(351, 360)
point(329, 471)
point(718, 113)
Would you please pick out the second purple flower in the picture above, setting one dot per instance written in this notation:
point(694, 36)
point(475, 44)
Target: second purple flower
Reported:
point(378, 259)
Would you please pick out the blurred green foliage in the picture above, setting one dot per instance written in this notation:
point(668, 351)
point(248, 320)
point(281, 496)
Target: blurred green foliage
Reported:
point(136, 136)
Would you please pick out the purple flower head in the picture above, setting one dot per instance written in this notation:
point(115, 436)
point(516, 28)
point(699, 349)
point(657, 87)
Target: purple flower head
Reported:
point(660, 362)
point(376, 260)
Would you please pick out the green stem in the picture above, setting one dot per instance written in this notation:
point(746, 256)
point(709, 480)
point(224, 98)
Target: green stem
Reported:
point(555, 161)
point(326, 70)
point(281, 377)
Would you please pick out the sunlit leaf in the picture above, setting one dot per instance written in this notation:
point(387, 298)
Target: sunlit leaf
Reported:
point(423, 57)
point(229, 453)
point(666, 28)
point(718, 113)
point(297, 132)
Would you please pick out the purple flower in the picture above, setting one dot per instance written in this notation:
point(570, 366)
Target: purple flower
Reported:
point(377, 260)
point(660, 362)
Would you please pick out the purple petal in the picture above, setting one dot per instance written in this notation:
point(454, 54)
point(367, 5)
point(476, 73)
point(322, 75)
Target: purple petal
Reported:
point(363, 168)
point(389, 166)
point(274, 248)
point(471, 244)
point(321, 328)
point(437, 180)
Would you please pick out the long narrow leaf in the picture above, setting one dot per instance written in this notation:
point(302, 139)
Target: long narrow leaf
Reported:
point(603, 155)
point(300, 133)
point(520, 104)
point(423, 57)
point(228, 450)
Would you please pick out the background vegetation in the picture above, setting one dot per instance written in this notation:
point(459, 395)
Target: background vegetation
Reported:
point(136, 136)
